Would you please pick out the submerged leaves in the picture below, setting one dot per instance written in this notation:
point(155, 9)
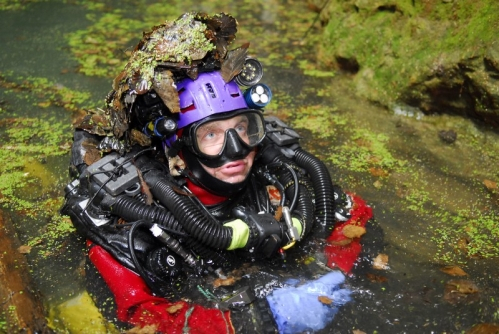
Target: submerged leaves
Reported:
point(459, 291)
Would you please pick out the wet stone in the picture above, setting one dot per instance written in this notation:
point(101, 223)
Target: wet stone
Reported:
point(447, 137)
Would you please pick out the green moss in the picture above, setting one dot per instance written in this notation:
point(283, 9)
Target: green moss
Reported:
point(46, 92)
point(372, 157)
point(53, 235)
point(393, 47)
point(103, 48)
point(15, 4)
point(319, 119)
point(468, 234)
point(24, 141)
point(27, 184)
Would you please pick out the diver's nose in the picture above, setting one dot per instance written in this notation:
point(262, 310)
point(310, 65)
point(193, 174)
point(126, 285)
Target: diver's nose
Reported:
point(233, 145)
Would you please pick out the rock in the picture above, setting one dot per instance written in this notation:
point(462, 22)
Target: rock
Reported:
point(448, 137)
point(20, 305)
point(438, 56)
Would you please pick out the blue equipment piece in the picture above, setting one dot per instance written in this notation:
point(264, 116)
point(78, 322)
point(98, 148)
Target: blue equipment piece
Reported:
point(299, 309)
point(258, 96)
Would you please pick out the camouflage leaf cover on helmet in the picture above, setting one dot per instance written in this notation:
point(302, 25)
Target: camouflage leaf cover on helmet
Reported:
point(193, 43)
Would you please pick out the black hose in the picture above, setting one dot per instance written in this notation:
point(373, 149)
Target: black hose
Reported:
point(302, 198)
point(322, 183)
point(131, 247)
point(131, 210)
point(295, 182)
point(189, 215)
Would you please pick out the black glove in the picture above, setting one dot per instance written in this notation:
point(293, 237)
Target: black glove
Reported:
point(266, 233)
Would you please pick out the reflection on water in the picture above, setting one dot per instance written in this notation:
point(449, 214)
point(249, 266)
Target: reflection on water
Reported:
point(417, 184)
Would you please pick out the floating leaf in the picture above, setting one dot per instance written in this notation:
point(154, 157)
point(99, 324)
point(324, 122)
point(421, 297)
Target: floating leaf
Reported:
point(148, 329)
point(491, 185)
point(461, 291)
point(378, 172)
point(376, 278)
point(325, 300)
point(453, 270)
point(45, 104)
point(174, 308)
point(381, 262)
point(353, 231)
point(358, 331)
point(24, 249)
point(342, 242)
point(224, 281)
point(462, 286)
point(484, 329)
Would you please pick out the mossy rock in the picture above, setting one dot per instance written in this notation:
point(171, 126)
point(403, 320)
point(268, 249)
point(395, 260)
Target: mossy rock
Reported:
point(439, 55)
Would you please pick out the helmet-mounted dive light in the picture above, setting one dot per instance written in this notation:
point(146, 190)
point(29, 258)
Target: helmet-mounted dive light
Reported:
point(160, 127)
point(251, 73)
point(258, 96)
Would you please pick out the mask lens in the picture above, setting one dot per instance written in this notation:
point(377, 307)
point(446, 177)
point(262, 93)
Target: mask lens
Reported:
point(211, 136)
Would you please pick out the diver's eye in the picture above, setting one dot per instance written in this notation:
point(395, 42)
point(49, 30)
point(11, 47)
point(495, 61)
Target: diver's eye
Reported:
point(241, 128)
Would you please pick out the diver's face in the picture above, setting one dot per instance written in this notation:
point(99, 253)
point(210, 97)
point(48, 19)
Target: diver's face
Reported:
point(233, 171)
point(210, 137)
point(210, 140)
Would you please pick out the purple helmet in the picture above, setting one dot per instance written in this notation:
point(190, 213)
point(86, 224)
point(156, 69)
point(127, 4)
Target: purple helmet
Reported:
point(215, 127)
point(209, 94)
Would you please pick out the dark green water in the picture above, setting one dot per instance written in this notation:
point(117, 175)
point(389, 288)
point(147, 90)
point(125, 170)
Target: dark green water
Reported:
point(417, 184)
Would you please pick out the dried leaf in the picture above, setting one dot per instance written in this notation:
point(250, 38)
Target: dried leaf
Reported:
point(174, 308)
point(148, 329)
point(453, 271)
point(92, 153)
point(138, 137)
point(95, 123)
point(325, 300)
point(378, 172)
point(462, 286)
point(461, 291)
point(358, 331)
point(491, 185)
point(24, 249)
point(381, 262)
point(462, 244)
point(376, 278)
point(224, 282)
point(234, 62)
point(119, 123)
point(377, 184)
point(342, 242)
point(45, 104)
point(221, 30)
point(145, 188)
point(484, 329)
point(164, 85)
point(353, 231)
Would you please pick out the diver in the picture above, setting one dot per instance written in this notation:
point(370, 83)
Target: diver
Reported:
point(183, 177)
